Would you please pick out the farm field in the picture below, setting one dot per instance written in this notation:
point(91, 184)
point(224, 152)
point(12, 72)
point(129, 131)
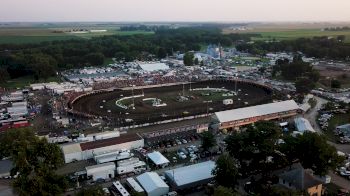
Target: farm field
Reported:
point(104, 104)
point(295, 34)
point(23, 35)
point(289, 32)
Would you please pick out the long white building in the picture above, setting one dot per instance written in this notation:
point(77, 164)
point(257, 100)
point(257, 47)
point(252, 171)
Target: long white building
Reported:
point(237, 117)
point(88, 150)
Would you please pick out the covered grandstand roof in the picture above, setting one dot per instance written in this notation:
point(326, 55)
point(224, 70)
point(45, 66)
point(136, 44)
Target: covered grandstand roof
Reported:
point(157, 158)
point(254, 111)
point(110, 142)
point(191, 174)
point(303, 125)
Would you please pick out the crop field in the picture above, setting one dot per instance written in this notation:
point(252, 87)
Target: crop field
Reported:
point(305, 33)
point(200, 100)
point(16, 35)
point(289, 33)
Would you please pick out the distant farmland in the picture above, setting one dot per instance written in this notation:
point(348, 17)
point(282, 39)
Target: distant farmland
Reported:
point(37, 35)
point(289, 34)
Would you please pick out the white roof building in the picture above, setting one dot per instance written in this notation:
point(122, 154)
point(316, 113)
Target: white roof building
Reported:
point(253, 111)
point(190, 176)
point(153, 184)
point(247, 115)
point(303, 125)
point(158, 159)
point(134, 185)
point(153, 66)
point(71, 152)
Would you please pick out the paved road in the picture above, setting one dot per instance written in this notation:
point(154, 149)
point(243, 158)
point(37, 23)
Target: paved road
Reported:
point(340, 181)
point(5, 188)
point(311, 115)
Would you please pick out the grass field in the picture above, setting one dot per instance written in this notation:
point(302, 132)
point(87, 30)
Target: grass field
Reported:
point(299, 33)
point(37, 35)
point(336, 120)
point(24, 81)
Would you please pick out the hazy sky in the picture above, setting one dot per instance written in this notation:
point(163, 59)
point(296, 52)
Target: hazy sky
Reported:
point(174, 10)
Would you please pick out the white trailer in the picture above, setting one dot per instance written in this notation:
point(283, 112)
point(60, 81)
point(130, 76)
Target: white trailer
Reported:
point(131, 182)
point(136, 168)
point(120, 189)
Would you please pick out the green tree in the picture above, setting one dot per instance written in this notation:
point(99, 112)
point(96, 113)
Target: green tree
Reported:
point(43, 66)
point(319, 156)
point(304, 85)
point(224, 191)
point(188, 58)
point(335, 83)
point(226, 171)
point(208, 140)
point(196, 61)
point(91, 191)
point(254, 147)
point(95, 59)
point(4, 75)
point(35, 161)
point(161, 53)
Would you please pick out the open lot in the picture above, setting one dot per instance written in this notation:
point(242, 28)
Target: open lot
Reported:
point(99, 104)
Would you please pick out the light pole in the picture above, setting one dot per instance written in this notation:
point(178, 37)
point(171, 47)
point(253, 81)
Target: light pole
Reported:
point(133, 98)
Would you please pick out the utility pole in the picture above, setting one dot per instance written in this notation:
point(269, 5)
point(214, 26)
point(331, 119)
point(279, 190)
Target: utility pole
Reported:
point(133, 99)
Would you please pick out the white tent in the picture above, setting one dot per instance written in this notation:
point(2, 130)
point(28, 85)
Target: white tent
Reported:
point(303, 125)
point(158, 159)
point(191, 176)
point(153, 184)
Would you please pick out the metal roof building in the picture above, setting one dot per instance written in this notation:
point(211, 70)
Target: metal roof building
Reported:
point(153, 184)
point(158, 159)
point(101, 171)
point(248, 115)
point(191, 176)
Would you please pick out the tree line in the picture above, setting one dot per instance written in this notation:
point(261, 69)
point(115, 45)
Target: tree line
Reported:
point(319, 47)
point(44, 59)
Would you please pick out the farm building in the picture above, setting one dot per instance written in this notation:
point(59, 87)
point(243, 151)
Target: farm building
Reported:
point(191, 176)
point(237, 117)
point(92, 149)
point(303, 125)
point(158, 159)
point(153, 184)
point(101, 171)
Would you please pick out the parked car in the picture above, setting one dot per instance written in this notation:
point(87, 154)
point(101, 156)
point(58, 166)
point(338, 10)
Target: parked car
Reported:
point(181, 155)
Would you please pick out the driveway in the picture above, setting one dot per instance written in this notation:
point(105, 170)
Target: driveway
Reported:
point(311, 115)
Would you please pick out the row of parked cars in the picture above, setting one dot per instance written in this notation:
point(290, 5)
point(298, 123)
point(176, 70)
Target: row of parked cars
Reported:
point(189, 151)
point(168, 143)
